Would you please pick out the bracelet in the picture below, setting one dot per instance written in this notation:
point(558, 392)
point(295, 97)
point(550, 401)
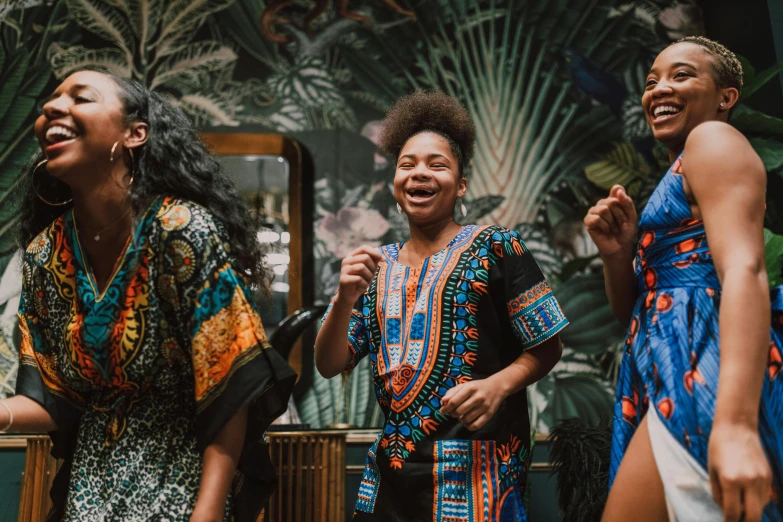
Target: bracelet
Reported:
point(10, 417)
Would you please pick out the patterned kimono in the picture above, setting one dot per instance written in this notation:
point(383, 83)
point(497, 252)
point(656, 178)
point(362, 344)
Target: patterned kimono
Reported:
point(141, 377)
point(466, 313)
point(672, 357)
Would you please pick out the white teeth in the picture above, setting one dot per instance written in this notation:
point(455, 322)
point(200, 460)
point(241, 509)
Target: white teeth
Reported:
point(59, 131)
point(665, 109)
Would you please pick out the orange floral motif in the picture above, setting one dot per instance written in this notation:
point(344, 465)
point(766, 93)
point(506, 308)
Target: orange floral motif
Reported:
point(525, 299)
point(221, 340)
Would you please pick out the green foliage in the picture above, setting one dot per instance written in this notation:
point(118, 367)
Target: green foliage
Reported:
point(620, 167)
point(24, 75)
point(151, 41)
point(773, 247)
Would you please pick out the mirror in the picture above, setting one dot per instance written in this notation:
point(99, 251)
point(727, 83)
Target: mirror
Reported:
point(267, 169)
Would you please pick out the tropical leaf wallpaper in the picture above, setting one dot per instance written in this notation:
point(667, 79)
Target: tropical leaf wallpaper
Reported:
point(554, 87)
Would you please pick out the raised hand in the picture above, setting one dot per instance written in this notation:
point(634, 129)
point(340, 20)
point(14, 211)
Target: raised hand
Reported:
point(611, 223)
point(357, 272)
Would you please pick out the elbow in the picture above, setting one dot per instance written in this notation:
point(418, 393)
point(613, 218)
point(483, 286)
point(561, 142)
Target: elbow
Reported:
point(326, 368)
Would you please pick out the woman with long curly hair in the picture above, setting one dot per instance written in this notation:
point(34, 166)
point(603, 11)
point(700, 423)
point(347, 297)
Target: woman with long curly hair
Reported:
point(698, 419)
point(142, 353)
point(457, 321)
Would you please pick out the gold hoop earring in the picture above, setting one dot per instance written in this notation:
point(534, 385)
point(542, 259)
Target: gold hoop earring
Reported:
point(43, 162)
point(113, 148)
point(133, 166)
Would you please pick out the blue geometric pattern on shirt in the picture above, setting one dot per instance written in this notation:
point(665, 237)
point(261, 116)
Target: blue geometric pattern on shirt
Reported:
point(539, 320)
point(371, 481)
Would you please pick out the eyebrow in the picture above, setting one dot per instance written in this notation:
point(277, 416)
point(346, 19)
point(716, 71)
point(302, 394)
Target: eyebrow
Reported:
point(429, 157)
point(675, 65)
point(76, 88)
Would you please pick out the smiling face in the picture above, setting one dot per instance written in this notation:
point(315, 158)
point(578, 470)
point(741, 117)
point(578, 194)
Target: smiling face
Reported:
point(427, 181)
point(681, 93)
point(80, 123)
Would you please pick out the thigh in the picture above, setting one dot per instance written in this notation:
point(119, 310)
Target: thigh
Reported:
point(637, 492)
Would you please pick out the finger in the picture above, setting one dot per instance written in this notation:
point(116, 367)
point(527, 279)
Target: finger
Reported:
point(363, 259)
point(732, 505)
point(619, 214)
point(605, 213)
point(361, 270)
point(627, 205)
point(756, 497)
point(594, 209)
point(717, 494)
point(373, 252)
point(616, 190)
point(471, 414)
point(479, 423)
point(461, 393)
point(595, 222)
point(468, 405)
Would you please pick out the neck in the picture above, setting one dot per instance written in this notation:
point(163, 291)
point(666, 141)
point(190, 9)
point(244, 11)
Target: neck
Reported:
point(102, 205)
point(432, 237)
point(675, 152)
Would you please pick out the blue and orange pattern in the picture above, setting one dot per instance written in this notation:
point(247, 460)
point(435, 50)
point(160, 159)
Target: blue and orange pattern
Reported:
point(671, 359)
point(427, 329)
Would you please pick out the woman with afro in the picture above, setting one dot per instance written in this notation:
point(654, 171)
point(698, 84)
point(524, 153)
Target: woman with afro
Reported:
point(457, 321)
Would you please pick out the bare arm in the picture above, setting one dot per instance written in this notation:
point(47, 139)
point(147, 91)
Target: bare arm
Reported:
point(29, 416)
point(728, 181)
point(611, 224)
point(219, 466)
point(331, 346)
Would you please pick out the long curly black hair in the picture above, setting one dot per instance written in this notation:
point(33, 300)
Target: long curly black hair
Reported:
point(173, 162)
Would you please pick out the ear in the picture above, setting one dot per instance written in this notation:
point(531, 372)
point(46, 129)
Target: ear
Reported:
point(136, 135)
point(462, 187)
point(728, 99)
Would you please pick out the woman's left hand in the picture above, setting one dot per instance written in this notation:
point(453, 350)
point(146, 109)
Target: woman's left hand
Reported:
point(474, 403)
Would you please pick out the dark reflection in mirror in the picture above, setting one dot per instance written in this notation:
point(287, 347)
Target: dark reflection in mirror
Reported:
point(263, 181)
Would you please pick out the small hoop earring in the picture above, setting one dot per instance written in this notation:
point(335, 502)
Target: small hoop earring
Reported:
point(133, 166)
point(51, 204)
point(399, 208)
point(113, 148)
point(462, 210)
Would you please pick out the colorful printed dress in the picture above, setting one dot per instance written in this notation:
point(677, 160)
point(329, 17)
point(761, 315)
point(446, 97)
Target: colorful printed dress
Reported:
point(465, 313)
point(141, 377)
point(671, 359)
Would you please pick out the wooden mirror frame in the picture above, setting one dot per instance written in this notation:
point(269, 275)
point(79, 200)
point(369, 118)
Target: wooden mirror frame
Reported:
point(300, 219)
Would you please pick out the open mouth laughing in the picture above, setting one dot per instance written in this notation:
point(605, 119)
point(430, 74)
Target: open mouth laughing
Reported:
point(665, 112)
point(58, 135)
point(421, 194)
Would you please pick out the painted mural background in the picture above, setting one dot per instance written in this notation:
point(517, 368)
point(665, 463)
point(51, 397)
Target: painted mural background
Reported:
point(553, 86)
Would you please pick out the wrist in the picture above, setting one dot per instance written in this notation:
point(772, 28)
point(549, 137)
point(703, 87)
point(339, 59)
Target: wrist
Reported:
point(624, 255)
point(503, 383)
point(343, 303)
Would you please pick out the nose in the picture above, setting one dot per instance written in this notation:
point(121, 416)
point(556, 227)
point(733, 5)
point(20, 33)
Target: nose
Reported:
point(56, 107)
point(662, 88)
point(421, 172)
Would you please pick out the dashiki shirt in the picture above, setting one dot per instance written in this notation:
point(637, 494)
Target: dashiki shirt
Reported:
point(672, 355)
point(141, 377)
point(464, 314)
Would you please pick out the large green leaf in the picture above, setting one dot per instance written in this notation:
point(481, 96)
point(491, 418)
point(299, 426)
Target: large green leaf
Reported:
point(621, 166)
point(67, 59)
point(145, 16)
point(593, 325)
point(106, 21)
point(773, 249)
point(760, 79)
point(192, 60)
point(770, 151)
point(181, 19)
point(11, 80)
point(754, 123)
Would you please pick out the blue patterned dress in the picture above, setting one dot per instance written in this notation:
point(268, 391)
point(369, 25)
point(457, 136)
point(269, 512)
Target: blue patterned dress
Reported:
point(671, 358)
point(465, 313)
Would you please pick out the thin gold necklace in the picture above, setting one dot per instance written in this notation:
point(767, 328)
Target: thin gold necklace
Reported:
point(97, 236)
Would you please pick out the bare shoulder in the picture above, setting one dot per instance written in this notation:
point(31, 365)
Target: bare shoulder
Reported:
point(717, 149)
